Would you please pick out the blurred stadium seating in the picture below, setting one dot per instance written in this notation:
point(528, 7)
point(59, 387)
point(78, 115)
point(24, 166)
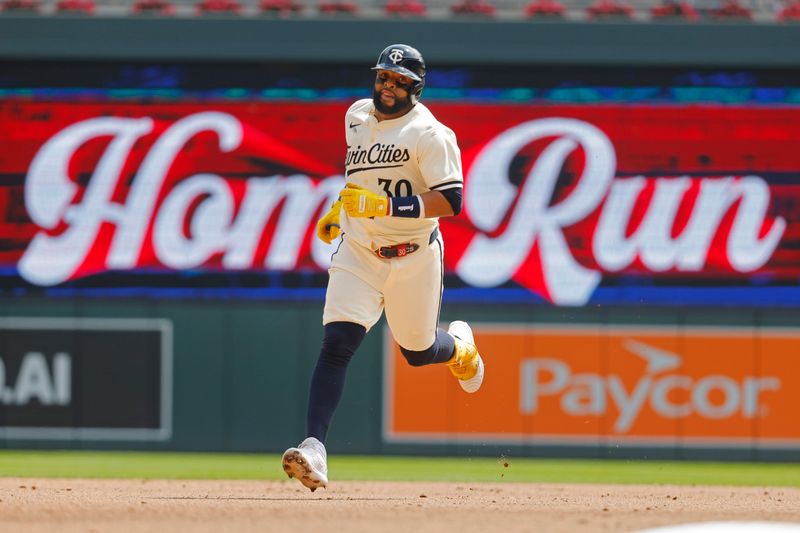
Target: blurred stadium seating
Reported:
point(153, 7)
point(473, 8)
point(790, 12)
point(731, 10)
point(757, 11)
point(338, 7)
point(75, 7)
point(674, 10)
point(218, 7)
point(609, 10)
point(406, 8)
point(20, 6)
point(539, 9)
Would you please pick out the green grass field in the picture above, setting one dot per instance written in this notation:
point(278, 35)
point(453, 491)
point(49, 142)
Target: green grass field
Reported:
point(153, 465)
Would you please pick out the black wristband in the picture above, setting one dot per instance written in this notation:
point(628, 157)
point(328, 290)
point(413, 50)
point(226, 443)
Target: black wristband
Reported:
point(406, 206)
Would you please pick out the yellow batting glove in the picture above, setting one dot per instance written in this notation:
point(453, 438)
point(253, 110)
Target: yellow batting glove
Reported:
point(360, 202)
point(328, 226)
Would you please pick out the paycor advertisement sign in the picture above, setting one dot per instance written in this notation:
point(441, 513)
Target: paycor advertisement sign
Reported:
point(560, 201)
point(601, 385)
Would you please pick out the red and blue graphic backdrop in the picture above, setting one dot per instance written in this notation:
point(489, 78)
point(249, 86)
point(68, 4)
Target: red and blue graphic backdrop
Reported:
point(571, 203)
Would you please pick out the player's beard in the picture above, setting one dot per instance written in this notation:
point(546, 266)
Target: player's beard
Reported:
point(400, 104)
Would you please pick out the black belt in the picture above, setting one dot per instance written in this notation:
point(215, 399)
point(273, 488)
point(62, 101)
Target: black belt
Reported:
point(402, 250)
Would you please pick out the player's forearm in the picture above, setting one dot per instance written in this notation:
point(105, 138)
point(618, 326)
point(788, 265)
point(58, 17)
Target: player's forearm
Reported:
point(436, 205)
point(359, 202)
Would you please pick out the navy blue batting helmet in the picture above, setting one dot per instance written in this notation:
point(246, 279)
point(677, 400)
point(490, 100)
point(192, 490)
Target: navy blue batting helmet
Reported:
point(405, 60)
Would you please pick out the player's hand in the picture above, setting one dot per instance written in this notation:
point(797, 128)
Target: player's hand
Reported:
point(328, 226)
point(360, 202)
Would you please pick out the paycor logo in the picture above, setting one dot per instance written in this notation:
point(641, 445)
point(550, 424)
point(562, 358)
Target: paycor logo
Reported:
point(36, 380)
point(604, 384)
point(662, 388)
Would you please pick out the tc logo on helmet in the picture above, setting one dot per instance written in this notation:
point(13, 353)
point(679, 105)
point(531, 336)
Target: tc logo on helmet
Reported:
point(396, 55)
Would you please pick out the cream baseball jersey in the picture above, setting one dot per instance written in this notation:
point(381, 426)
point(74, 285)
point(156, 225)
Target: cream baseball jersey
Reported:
point(405, 156)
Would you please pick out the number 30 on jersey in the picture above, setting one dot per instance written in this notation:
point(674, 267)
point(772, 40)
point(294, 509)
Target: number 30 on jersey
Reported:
point(400, 188)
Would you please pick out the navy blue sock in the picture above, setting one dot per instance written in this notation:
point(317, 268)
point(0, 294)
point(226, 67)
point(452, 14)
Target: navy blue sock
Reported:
point(327, 383)
point(439, 352)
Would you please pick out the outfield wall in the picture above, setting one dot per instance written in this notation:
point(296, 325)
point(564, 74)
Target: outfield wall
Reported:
point(239, 374)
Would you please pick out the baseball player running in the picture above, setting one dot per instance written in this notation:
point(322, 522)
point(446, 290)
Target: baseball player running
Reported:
point(403, 171)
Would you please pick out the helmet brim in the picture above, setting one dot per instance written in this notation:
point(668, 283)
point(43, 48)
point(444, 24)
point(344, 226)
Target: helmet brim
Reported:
point(400, 70)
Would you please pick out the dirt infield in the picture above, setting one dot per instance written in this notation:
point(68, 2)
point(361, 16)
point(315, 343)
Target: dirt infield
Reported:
point(67, 505)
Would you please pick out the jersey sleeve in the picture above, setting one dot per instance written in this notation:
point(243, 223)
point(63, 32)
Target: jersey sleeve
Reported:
point(440, 159)
point(355, 115)
point(348, 116)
